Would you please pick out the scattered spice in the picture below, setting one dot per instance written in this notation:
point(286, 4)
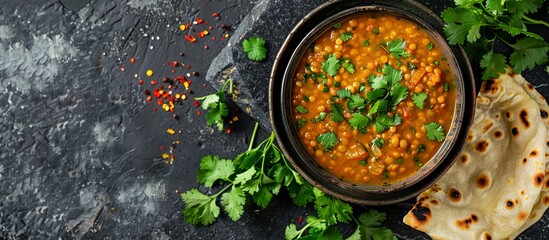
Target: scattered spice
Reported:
point(170, 131)
point(149, 73)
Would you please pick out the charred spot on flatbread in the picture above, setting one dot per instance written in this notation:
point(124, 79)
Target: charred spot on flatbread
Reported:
point(529, 86)
point(524, 160)
point(488, 127)
point(524, 118)
point(543, 113)
point(487, 236)
point(454, 195)
point(546, 200)
point(421, 213)
point(508, 115)
point(509, 204)
point(533, 153)
point(434, 202)
point(464, 158)
point(515, 131)
point(482, 146)
point(483, 181)
point(467, 222)
point(522, 216)
point(538, 179)
point(489, 86)
point(498, 134)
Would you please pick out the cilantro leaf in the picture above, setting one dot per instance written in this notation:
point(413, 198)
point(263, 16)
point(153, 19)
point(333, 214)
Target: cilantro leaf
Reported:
point(209, 100)
point(255, 48)
point(212, 168)
point(369, 227)
point(262, 197)
point(379, 106)
point(383, 122)
point(331, 65)
point(346, 36)
point(359, 121)
point(493, 64)
point(303, 195)
point(245, 176)
point(378, 82)
point(346, 63)
point(398, 94)
point(375, 94)
point(419, 99)
point(327, 140)
point(460, 24)
point(396, 48)
point(523, 7)
point(528, 53)
point(332, 209)
point(337, 113)
point(366, 42)
point(199, 208)
point(217, 109)
point(378, 142)
point(301, 123)
point(344, 93)
point(355, 102)
point(301, 109)
point(397, 120)
point(233, 203)
point(319, 118)
point(434, 131)
point(392, 75)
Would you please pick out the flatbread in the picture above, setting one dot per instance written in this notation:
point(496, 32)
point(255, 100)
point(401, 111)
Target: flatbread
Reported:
point(495, 189)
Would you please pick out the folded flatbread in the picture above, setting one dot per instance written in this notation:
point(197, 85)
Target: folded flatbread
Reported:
point(498, 186)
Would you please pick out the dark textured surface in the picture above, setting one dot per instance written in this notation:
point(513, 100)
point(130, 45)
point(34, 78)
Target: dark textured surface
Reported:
point(79, 146)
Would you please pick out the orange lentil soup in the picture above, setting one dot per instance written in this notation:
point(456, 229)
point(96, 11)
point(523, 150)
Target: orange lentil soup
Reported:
point(373, 99)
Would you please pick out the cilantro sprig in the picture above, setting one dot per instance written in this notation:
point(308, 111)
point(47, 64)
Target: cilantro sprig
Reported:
point(255, 48)
point(217, 108)
point(396, 48)
point(434, 131)
point(479, 25)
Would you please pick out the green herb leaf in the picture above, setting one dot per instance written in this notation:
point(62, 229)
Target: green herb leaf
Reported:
point(419, 99)
point(493, 64)
point(337, 25)
point(199, 208)
point(355, 102)
point(369, 227)
point(375, 30)
point(336, 113)
point(212, 168)
point(434, 131)
point(378, 142)
point(366, 42)
point(346, 63)
point(379, 107)
point(528, 53)
point(392, 75)
point(396, 48)
point(332, 209)
point(255, 48)
point(233, 203)
point(375, 94)
point(344, 93)
point(430, 46)
point(301, 109)
point(346, 36)
point(303, 195)
point(359, 121)
point(319, 118)
point(398, 94)
point(461, 24)
point(301, 123)
point(331, 65)
point(327, 140)
point(383, 122)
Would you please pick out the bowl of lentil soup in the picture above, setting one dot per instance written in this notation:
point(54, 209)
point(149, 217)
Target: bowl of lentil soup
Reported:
point(369, 102)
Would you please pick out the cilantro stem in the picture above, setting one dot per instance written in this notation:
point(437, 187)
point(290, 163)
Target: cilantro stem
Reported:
point(534, 21)
point(230, 82)
point(503, 40)
point(253, 136)
point(386, 50)
point(222, 190)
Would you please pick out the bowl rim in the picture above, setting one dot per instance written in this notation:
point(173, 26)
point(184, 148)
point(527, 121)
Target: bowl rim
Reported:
point(436, 166)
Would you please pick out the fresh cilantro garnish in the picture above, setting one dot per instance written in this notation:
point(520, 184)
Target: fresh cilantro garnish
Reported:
point(375, 30)
point(359, 121)
point(212, 168)
point(436, 62)
point(363, 162)
point(383, 122)
point(419, 99)
point(346, 36)
point(327, 140)
point(336, 113)
point(346, 63)
point(421, 148)
point(217, 109)
point(379, 106)
point(255, 48)
point(337, 25)
point(399, 160)
point(411, 66)
point(434, 131)
point(413, 130)
point(366, 42)
point(301, 109)
point(319, 118)
point(301, 123)
point(482, 24)
point(398, 94)
point(378, 142)
point(446, 87)
point(343, 93)
point(332, 209)
point(375, 94)
point(397, 120)
point(355, 102)
point(430, 46)
point(331, 65)
point(396, 48)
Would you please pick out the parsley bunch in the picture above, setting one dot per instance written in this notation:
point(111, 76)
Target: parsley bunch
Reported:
point(480, 24)
point(217, 108)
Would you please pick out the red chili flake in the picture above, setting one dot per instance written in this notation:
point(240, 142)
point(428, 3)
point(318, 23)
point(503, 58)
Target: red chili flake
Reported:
point(228, 131)
point(159, 102)
point(146, 92)
point(168, 63)
point(154, 82)
point(198, 113)
point(213, 38)
point(149, 99)
point(190, 38)
point(206, 47)
point(123, 69)
point(175, 63)
point(207, 23)
point(161, 147)
point(188, 66)
point(199, 20)
point(156, 93)
point(222, 38)
point(226, 27)
point(155, 109)
point(215, 14)
point(196, 103)
point(141, 81)
point(173, 70)
point(181, 54)
point(132, 60)
point(211, 28)
point(300, 220)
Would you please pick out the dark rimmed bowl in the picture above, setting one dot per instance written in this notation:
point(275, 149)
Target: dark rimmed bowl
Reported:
point(284, 69)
